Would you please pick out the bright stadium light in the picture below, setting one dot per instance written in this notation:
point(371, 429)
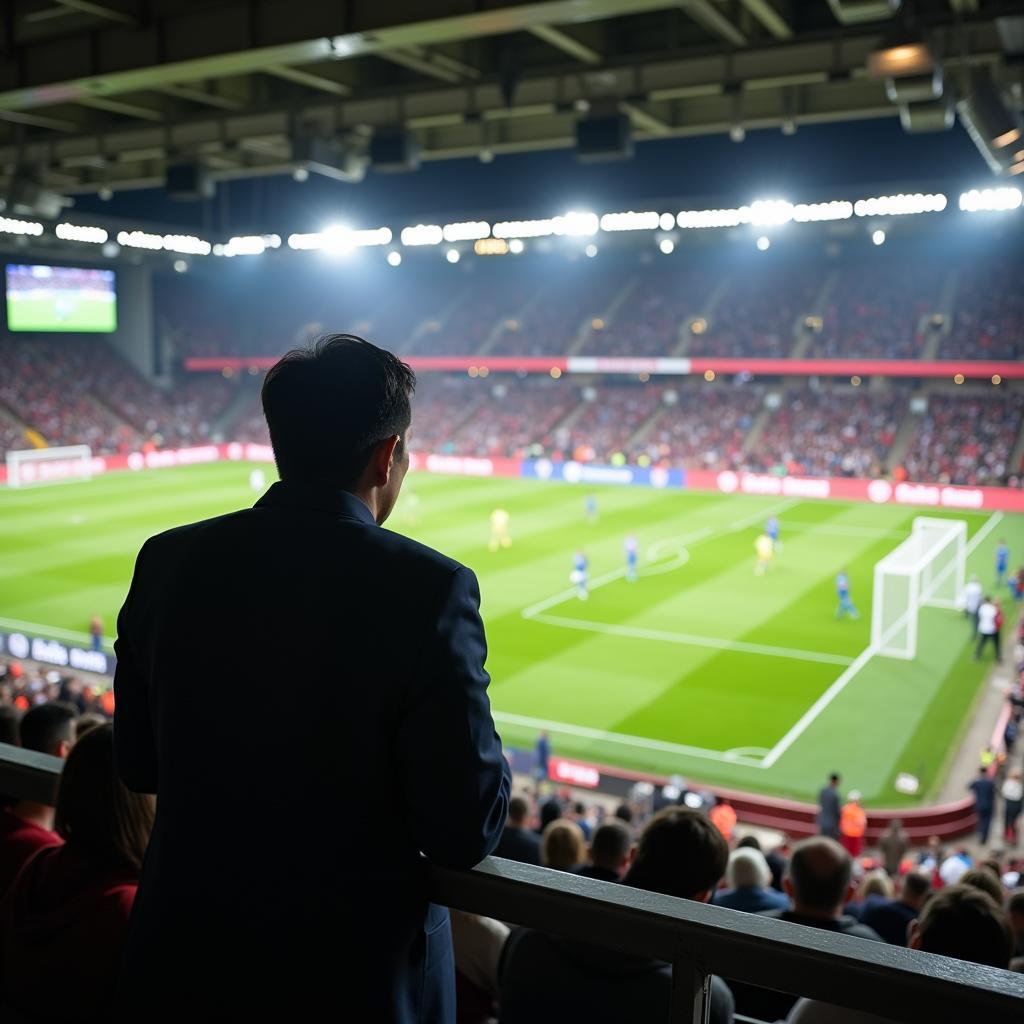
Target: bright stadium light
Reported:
point(900, 205)
point(838, 209)
point(878, 237)
point(452, 256)
point(577, 222)
point(764, 243)
point(524, 228)
point(140, 240)
point(666, 222)
point(81, 233)
point(394, 258)
point(516, 246)
point(667, 246)
point(708, 218)
point(243, 245)
point(422, 234)
point(769, 212)
point(188, 244)
point(630, 221)
point(466, 231)
point(991, 199)
point(591, 250)
point(180, 266)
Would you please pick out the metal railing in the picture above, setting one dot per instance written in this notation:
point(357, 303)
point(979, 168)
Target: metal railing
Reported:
point(697, 940)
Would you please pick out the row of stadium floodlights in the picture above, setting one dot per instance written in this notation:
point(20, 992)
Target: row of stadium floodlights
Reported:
point(507, 236)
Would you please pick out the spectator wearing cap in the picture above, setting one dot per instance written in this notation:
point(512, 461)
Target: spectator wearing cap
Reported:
point(748, 878)
point(853, 824)
point(518, 841)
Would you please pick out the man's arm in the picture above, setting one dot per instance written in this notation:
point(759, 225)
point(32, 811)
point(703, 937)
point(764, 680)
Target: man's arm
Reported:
point(456, 778)
point(134, 740)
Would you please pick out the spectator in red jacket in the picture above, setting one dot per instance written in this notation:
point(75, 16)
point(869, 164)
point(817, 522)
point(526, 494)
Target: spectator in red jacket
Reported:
point(27, 826)
point(68, 909)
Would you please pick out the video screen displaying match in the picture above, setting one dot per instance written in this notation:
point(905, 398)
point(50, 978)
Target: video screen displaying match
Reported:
point(68, 300)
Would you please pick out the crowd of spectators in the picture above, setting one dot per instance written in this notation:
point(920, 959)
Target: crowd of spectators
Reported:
point(967, 439)
point(989, 318)
point(834, 432)
point(876, 311)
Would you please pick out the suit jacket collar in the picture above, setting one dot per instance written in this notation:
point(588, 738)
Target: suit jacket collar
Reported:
point(304, 494)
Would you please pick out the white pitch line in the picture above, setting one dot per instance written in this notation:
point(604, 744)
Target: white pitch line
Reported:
point(692, 640)
point(859, 662)
point(52, 631)
point(624, 740)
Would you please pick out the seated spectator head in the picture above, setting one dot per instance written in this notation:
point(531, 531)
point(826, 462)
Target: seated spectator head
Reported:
point(97, 815)
point(1015, 908)
point(624, 813)
point(10, 722)
point(518, 811)
point(339, 412)
point(751, 842)
point(563, 846)
point(748, 869)
point(611, 845)
point(550, 810)
point(963, 922)
point(90, 720)
point(818, 880)
point(917, 887)
point(49, 728)
point(982, 878)
point(680, 853)
point(875, 883)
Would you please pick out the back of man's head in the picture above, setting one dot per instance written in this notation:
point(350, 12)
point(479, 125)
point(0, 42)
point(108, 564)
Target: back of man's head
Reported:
point(917, 887)
point(680, 853)
point(624, 813)
point(983, 879)
point(749, 841)
point(518, 811)
point(10, 725)
point(748, 869)
point(819, 877)
point(610, 846)
point(49, 728)
point(963, 922)
point(329, 405)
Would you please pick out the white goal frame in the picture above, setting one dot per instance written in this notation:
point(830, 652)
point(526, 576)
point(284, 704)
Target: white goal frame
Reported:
point(914, 566)
point(34, 466)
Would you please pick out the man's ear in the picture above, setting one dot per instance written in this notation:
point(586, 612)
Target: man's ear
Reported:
point(787, 886)
point(63, 749)
point(383, 459)
point(914, 934)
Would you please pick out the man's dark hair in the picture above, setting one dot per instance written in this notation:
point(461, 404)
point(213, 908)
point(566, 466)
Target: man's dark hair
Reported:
point(834, 777)
point(10, 722)
point(680, 854)
point(46, 726)
point(97, 815)
point(550, 810)
point(328, 405)
point(752, 841)
point(518, 809)
point(611, 843)
point(1015, 904)
point(916, 884)
point(820, 870)
point(624, 813)
point(964, 922)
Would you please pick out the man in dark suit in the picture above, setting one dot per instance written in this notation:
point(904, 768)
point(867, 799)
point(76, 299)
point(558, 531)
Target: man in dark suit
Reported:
point(518, 842)
point(829, 808)
point(284, 874)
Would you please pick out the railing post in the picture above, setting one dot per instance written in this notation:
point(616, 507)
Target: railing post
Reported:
point(691, 993)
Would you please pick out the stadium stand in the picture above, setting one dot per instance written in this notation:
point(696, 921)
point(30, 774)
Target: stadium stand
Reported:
point(989, 318)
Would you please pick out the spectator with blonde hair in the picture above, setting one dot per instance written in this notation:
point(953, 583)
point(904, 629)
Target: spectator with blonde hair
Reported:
point(563, 846)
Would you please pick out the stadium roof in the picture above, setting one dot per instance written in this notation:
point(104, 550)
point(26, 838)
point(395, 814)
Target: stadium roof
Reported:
point(104, 94)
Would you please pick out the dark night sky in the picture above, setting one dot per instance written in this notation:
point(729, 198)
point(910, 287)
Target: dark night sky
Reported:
point(819, 162)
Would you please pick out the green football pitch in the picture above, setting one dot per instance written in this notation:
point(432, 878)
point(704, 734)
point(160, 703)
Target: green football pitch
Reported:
point(699, 668)
point(80, 315)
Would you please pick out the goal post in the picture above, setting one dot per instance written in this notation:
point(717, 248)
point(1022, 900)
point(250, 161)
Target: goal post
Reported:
point(927, 569)
point(49, 465)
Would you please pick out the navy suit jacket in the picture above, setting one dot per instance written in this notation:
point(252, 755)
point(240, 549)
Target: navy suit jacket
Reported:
point(305, 693)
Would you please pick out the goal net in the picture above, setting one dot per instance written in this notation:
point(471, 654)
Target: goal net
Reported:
point(926, 569)
point(49, 465)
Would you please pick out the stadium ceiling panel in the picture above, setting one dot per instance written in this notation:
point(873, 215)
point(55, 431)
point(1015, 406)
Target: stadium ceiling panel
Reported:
point(98, 94)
